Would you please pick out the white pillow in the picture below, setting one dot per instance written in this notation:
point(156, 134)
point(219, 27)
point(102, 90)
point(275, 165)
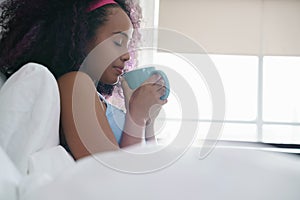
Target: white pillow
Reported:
point(9, 178)
point(44, 167)
point(51, 161)
point(29, 113)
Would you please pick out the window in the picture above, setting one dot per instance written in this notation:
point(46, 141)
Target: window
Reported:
point(276, 120)
point(281, 100)
point(255, 46)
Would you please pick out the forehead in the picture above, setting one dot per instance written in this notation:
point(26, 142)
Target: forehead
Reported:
point(117, 21)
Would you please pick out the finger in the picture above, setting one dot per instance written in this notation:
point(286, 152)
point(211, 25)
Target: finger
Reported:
point(164, 102)
point(162, 90)
point(152, 79)
point(159, 100)
point(160, 81)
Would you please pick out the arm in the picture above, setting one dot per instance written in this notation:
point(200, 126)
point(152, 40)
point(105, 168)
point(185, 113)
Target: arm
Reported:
point(150, 133)
point(133, 132)
point(139, 104)
point(83, 118)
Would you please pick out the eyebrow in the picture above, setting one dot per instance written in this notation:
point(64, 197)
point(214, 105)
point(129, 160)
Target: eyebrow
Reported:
point(122, 33)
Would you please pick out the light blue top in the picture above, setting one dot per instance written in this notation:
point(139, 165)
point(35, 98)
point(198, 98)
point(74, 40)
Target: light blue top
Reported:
point(116, 119)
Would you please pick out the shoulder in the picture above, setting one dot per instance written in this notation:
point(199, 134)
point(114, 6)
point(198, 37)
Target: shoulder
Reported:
point(76, 85)
point(75, 79)
point(74, 76)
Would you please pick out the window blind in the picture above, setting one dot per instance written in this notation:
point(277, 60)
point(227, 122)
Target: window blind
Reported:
point(239, 27)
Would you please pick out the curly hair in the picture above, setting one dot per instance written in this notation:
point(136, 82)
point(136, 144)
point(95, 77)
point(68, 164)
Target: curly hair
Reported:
point(52, 34)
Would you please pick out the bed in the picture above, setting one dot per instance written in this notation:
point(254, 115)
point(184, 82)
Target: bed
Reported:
point(34, 166)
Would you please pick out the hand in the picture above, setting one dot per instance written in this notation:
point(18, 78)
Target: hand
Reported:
point(155, 109)
point(144, 103)
point(153, 113)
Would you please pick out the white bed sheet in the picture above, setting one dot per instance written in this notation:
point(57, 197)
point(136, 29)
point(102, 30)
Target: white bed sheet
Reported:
point(9, 178)
point(225, 174)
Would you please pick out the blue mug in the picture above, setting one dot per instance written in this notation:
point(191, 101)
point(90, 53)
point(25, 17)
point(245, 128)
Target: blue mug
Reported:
point(137, 77)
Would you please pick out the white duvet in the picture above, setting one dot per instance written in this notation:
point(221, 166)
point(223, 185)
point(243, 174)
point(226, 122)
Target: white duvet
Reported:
point(227, 173)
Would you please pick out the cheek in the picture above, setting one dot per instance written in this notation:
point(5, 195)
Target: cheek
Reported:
point(101, 57)
point(98, 60)
point(109, 77)
point(113, 52)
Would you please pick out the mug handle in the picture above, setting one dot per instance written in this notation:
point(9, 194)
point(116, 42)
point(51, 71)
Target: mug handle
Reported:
point(167, 84)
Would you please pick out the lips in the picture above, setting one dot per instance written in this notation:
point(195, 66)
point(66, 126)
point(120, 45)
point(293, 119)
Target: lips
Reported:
point(119, 70)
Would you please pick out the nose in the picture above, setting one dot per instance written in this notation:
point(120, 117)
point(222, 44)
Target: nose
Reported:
point(125, 57)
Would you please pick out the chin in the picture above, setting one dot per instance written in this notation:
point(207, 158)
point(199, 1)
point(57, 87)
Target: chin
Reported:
point(112, 81)
point(115, 82)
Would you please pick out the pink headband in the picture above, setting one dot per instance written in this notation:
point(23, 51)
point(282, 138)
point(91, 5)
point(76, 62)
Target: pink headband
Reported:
point(100, 3)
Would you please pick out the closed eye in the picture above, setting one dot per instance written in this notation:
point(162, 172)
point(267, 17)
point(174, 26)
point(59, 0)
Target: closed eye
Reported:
point(121, 42)
point(120, 38)
point(118, 44)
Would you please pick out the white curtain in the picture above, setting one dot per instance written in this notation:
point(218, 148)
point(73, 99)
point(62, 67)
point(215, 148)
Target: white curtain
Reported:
point(242, 27)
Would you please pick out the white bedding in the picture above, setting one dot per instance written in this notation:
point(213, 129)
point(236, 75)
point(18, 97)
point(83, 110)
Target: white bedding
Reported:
point(29, 121)
point(29, 113)
point(45, 166)
point(226, 174)
point(9, 178)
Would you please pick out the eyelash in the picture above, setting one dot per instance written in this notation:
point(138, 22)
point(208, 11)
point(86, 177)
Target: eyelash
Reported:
point(120, 43)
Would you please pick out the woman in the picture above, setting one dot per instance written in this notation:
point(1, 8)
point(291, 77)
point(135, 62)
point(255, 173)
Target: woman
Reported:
point(63, 36)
